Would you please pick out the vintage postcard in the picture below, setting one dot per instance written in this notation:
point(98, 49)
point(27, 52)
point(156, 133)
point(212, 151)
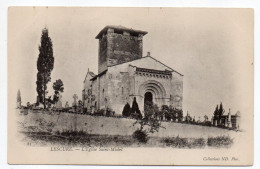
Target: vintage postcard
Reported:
point(130, 86)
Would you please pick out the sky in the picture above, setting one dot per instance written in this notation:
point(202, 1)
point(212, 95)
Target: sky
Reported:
point(212, 48)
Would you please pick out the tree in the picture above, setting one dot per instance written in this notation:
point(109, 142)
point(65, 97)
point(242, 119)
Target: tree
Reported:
point(45, 65)
point(180, 115)
point(215, 114)
point(221, 111)
point(165, 112)
point(152, 123)
point(126, 110)
point(135, 112)
point(57, 87)
point(18, 99)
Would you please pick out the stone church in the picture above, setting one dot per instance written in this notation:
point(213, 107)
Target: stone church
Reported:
point(124, 74)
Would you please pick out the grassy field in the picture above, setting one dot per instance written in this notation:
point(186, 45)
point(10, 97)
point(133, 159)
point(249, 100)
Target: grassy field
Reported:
point(79, 138)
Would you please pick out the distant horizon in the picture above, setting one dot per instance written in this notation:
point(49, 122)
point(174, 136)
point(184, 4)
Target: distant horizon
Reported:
point(207, 46)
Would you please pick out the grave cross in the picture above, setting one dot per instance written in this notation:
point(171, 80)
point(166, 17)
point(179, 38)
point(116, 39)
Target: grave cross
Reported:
point(92, 98)
point(75, 97)
point(60, 96)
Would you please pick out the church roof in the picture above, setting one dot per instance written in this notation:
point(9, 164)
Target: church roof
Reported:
point(119, 28)
point(90, 73)
point(151, 58)
point(100, 74)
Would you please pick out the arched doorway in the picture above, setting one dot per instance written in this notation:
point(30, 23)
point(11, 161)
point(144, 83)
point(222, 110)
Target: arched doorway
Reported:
point(148, 99)
point(151, 90)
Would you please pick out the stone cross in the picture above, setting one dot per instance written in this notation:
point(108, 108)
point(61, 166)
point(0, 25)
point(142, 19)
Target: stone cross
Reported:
point(59, 103)
point(75, 97)
point(229, 119)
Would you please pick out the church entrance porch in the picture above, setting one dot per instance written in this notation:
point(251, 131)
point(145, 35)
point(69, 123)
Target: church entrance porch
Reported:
point(151, 92)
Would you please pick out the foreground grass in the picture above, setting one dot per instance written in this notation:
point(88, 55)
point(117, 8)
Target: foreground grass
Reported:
point(81, 138)
point(77, 138)
point(215, 142)
point(179, 142)
point(220, 141)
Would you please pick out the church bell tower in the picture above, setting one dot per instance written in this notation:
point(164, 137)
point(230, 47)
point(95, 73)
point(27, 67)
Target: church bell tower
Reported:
point(117, 45)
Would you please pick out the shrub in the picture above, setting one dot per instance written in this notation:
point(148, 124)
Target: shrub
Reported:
point(100, 112)
point(71, 133)
point(141, 136)
point(150, 120)
point(176, 142)
point(85, 110)
point(109, 112)
point(198, 142)
point(127, 110)
point(207, 123)
point(179, 142)
point(135, 112)
point(220, 141)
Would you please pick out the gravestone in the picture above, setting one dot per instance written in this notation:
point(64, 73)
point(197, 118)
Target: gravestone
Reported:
point(59, 103)
point(226, 122)
point(198, 120)
point(75, 97)
point(229, 119)
point(215, 122)
point(67, 105)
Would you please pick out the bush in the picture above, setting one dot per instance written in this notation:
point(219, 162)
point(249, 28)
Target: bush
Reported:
point(109, 112)
point(141, 136)
point(100, 112)
point(198, 142)
point(71, 133)
point(85, 110)
point(207, 123)
point(127, 110)
point(179, 142)
point(176, 142)
point(220, 141)
point(135, 112)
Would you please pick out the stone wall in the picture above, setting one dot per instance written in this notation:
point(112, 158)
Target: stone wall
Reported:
point(118, 89)
point(117, 126)
point(103, 90)
point(176, 90)
point(102, 54)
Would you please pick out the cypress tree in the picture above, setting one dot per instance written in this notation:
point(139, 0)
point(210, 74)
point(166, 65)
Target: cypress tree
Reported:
point(45, 64)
